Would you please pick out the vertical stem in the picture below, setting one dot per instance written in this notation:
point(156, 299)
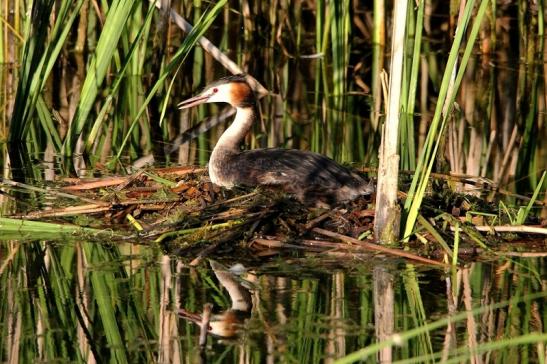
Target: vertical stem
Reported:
point(384, 312)
point(378, 44)
point(456, 245)
point(387, 220)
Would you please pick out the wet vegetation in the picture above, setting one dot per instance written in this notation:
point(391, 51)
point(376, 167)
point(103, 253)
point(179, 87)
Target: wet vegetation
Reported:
point(110, 251)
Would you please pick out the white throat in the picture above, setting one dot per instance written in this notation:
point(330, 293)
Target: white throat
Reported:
point(232, 137)
point(228, 145)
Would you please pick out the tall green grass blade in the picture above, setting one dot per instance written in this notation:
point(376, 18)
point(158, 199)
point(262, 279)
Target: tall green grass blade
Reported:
point(65, 18)
point(118, 82)
point(409, 154)
point(317, 130)
point(456, 245)
point(378, 44)
point(27, 227)
point(115, 22)
point(533, 52)
point(197, 79)
point(31, 63)
point(338, 12)
point(39, 57)
point(523, 214)
point(189, 42)
point(48, 125)
point(427, 156)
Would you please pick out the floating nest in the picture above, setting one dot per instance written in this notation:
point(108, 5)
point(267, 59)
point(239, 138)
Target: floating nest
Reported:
point(185, 214)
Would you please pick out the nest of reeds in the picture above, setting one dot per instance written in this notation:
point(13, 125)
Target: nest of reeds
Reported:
point(180, 210)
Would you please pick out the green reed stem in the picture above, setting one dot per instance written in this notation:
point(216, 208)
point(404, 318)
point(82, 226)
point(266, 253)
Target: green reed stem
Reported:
point(447, 95)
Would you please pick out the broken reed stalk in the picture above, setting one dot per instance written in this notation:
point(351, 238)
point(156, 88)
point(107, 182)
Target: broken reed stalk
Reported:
point(388, 214)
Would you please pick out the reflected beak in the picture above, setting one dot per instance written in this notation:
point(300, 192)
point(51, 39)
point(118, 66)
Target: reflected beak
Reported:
point(193, 101)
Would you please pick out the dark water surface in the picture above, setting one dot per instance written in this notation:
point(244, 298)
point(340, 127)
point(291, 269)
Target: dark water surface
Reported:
point(99, 302)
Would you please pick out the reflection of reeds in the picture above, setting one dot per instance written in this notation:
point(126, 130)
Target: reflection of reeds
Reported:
point(93, 301)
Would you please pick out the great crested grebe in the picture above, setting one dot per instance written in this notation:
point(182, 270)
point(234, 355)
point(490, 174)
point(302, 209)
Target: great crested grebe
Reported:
point(311, 177)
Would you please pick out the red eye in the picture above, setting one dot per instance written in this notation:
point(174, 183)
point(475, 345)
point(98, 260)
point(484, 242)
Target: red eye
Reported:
point(215, 90)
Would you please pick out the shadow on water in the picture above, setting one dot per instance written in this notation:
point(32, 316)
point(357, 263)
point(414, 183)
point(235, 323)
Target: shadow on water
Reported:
point(96, 302)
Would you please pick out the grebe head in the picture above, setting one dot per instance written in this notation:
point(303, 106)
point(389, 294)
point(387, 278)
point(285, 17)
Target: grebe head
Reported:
point(233, 90)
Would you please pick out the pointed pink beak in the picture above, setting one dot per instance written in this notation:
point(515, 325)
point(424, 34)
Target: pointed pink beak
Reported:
point(193, 101)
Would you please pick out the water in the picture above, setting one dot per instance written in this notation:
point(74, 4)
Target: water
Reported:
point(103, 302)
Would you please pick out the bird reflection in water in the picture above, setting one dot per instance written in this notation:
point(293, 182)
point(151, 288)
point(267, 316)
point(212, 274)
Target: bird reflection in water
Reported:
point(227, 324)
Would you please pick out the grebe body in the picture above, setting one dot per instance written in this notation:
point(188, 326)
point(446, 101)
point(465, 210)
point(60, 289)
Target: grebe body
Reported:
point(311, 177)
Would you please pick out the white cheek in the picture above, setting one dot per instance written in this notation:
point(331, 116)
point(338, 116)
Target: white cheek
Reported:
point(215, 98)
point(222, 95)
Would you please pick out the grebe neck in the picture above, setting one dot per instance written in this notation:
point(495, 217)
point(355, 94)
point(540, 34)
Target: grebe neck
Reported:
point(228, 146)
point(234, 135)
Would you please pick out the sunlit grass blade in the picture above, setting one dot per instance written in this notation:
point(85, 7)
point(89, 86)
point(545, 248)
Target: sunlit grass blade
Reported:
point(31, 229)
point(186, 46)
point(92, 136)
point(408, 143)
point(523, 213)
point(39, 57)
point(114, 25)
point(31, 64)
point(447, 94)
